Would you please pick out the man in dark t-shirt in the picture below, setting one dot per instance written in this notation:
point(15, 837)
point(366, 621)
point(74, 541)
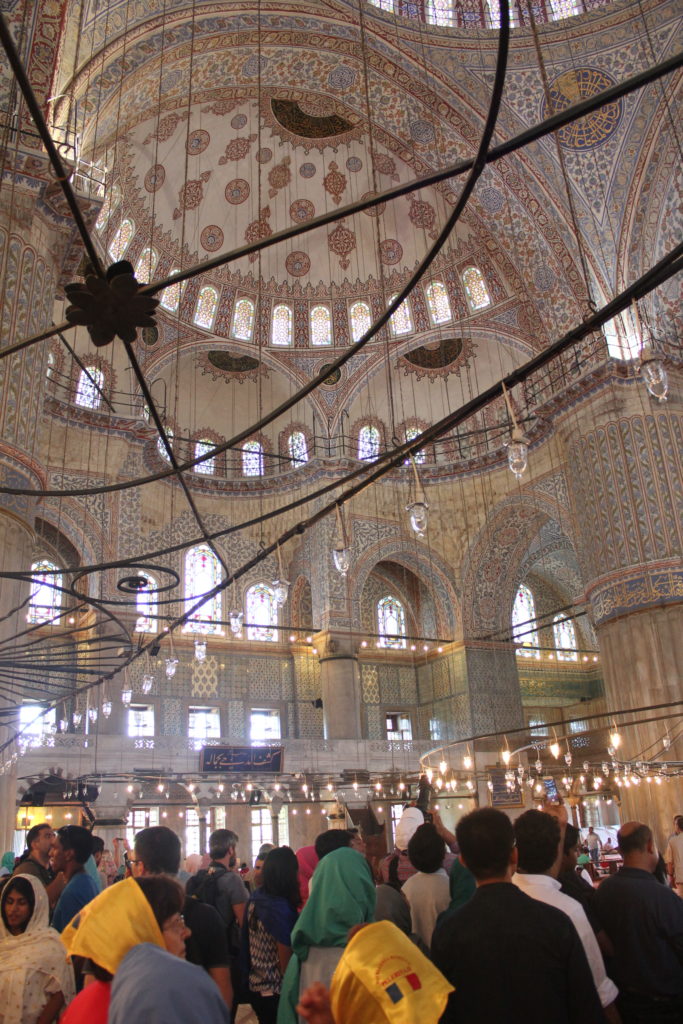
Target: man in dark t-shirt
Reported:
point(157, 851)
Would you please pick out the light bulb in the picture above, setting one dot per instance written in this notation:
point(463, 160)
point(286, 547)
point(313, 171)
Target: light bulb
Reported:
point(341, 557)
point(666, 742)
point(106, 708)
point(555, 749)
point(63, 725)
point(77, 718)
point(443, 767)
point(538, 765)
point(280, 591)
point(171, 666)
point(417, 516)
point(467, 763)
point(236, 619)
point(654, 374)
point(355, 787)
point(126, 696)
point(518, 451)
point(568, 759)
point(615, 739)
point(147, 683)
point(430, 775)
point(469, 784)
point(506, 755)
point(490, 785)
point(200, 649)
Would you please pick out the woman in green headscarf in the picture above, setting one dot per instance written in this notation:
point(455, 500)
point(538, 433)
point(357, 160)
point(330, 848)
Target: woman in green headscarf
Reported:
point(342, 894)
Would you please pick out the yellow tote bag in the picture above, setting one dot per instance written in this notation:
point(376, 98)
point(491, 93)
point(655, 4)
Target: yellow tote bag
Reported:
point(382, 976)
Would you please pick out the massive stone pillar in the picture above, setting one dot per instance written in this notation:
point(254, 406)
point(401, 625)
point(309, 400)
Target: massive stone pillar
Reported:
point(626, 473)
point(341, 688)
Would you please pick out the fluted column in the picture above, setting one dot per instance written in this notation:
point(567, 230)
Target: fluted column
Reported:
point(627, 487)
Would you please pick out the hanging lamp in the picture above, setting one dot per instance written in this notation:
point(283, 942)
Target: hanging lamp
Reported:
point(341, 553)
point(418, 510)
point(280, 585)
point(651, 365)
point(517, 446)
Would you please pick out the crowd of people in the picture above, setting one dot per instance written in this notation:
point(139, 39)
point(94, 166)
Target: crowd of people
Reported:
point(496, 923)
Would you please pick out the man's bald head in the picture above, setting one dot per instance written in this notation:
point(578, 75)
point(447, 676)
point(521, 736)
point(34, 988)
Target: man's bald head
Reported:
point(635, 841)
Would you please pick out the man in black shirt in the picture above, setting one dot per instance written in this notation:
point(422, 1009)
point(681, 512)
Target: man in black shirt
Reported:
point(644, 921)
point(156, 852)
point(511, 958)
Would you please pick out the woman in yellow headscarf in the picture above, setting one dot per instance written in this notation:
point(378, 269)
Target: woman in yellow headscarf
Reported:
point(128, 913)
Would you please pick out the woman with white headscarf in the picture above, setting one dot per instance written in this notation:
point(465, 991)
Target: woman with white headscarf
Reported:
point(36, 981)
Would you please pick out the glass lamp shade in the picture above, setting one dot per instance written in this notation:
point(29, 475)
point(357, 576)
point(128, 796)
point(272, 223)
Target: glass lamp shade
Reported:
point(63, 725)
point(518, 452)
point(171, 666)
point(342, 559)
point(200, 650)
point(417, 517)
point(92, 714)
point(147, 683)
point(236, 619)
point(77, 718)
point(280, 591)
point(106, 708)
point(126, 696)
point(568, 759)
point(654, 374)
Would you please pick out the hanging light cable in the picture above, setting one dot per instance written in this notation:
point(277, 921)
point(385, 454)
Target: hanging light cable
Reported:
point(236, 617)
point(280, 585)
point(517, 446)
point(417, 509)
point(341, 553)
point(171, 662)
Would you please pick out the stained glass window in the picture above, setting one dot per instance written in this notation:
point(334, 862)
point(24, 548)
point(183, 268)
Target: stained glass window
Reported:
point(298, 448)
point(121, 239)
point(90, 385)
point(523, 619)
point(243, 320)
point(252, 458)
point(368, 443)
point(110, 203)
point(475, 289)
point(564, 8)
point(202, 573)
point(261, 613)
point(420, 456)
point(207, 304)
point(401, 322)
point(384, 5)
point(439, 12)
point(565, 639)
point(439, 306)
point(361, 320)
point(321, 326)
point(492, 13)
point(146, 264)
point(208, 467)
point(45, 601)
point(146, 605)
point(161, 448)
point(391, 622)
point(170, 297)
point(282, 325)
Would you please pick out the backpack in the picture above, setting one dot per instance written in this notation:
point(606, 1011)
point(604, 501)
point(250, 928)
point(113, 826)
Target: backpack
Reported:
point(204, 887)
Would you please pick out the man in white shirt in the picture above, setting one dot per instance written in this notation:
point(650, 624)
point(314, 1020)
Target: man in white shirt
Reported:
point(674, 856)
point(594, 844)
point(539, 848)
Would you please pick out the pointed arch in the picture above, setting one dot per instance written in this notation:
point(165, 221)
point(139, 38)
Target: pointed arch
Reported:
point(205, 310)
point(45, 601)
point(243, 320)
point(202, 573)
point(261, 613)
point(523, 617)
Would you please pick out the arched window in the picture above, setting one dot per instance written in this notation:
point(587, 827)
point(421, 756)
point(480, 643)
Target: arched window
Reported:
point(202, 573)
point(523, 623)
point(146, 605)
point(321, 326)
point(207, 304)
point(475, 289)
point(243, 320)
point(565, 639)
point(121, 239)
point(391, 622)
point(281, 333)
point(146, 264)
point(298, 448)
point(252, 458)
point(45, 601)
point(384, 5)
point(89, 389)
point(170, 297)
point(368, 443)
point(564, 8)
point(161, 448)
point(420, 456)
point(439, 306)
point(361, 320)
point(439, 12)
point(109, 205)
point(261, 613)
point(401, 322)
point(201, 447)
